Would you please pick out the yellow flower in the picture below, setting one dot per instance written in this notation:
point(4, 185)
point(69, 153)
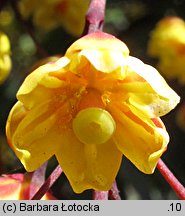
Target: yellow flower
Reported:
point(5, 61)
point(167, 43)
point(17, 187)
point(88, 108)
point(49, 14)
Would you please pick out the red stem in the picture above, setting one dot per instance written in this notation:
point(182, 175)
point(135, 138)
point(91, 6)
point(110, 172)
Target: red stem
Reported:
point(114, 192)
point(48, 183)
point(171, 179)
point(100, 195)
point(37, 179)
point(95, 16)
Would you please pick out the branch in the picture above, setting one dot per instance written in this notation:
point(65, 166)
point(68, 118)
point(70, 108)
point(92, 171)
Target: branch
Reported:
point(27, 28)
point(37, 179)
point(114, 192)
point(95, 16)
point(100, 195)
point(48, 183)
point(171, 179)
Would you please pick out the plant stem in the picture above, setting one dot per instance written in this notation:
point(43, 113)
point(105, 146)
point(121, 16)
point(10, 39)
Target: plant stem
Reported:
point(171, 179)
point(95, 16)
point(48, 183)
point(100, 195)
point(37, 179)
point(27, 28)
point(114, 192)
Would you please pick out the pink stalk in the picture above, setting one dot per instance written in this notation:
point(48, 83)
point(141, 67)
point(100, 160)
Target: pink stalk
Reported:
point(171, 179)
point(95, 16)
point(48, 183)
point(114, 192)
point(100, 195)
point(37, 179)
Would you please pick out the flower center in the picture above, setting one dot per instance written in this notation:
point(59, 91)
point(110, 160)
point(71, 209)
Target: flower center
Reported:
point(93, 126)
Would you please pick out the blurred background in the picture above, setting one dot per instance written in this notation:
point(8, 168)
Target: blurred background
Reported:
point(131, 21)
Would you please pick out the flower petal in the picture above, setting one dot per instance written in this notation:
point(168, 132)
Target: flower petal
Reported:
point(17, 187)
point(5, 44)
point(10, 188)
point(146, 146)
point(88, 166)
point(23, 132)
point(34, 135)
point(16, 115)
point(105, 52)
point(100, 40)
point(37, 85)
point(154, 97)
point(105, 60)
